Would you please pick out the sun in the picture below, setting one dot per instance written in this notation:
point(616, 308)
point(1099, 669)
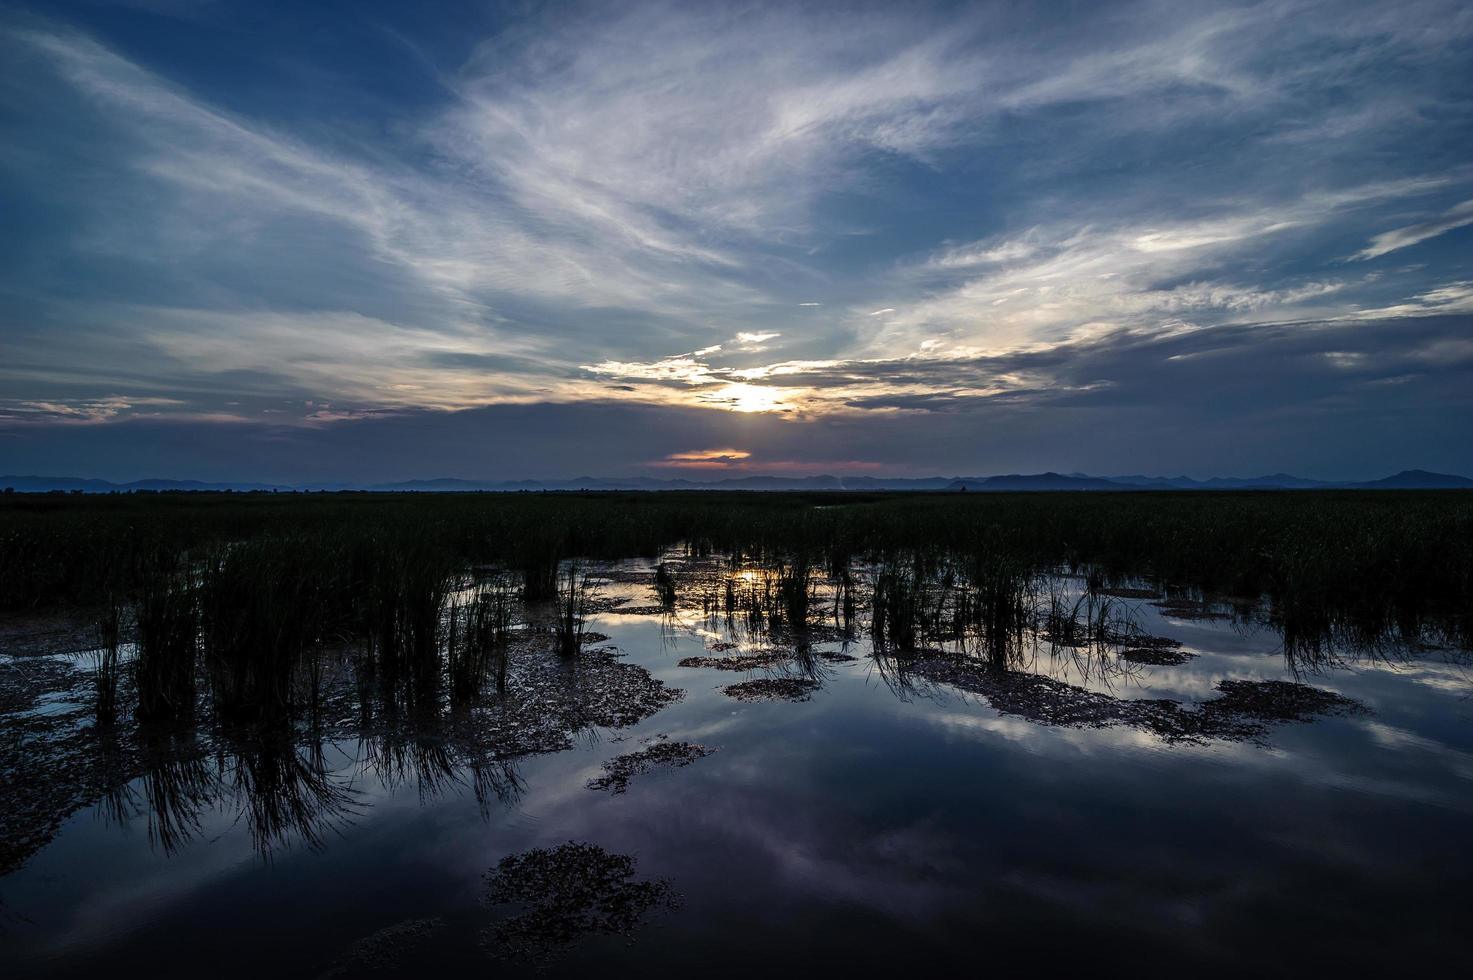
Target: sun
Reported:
point(739, 396)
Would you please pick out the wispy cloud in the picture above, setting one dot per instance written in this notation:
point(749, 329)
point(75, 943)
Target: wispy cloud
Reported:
point(825, 214)
point(1458, 216)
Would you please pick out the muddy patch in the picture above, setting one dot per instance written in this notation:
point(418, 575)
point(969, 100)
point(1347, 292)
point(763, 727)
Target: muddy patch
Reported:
point(42, 634)
point(1282, 701)
point(1156, 657)
point(1143, 641)
point(1242, 711)
point(565, 894)
point(618, 772)
point(747, 661)
point(834, 657)
point(772, 689)
point(50, 761)
point(639, 611)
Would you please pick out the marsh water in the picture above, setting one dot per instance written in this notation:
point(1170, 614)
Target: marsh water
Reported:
point(1205, 804)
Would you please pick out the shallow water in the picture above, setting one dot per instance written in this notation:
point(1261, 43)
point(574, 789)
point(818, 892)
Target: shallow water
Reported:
point(884, 823)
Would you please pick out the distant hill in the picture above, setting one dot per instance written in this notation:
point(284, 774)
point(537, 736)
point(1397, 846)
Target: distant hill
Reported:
point(1418, 480)
point(1014, 482)
point(1038, 481)
point(45, 484)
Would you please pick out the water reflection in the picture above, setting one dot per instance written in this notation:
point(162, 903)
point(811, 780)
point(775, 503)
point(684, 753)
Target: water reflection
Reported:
point(949, 736)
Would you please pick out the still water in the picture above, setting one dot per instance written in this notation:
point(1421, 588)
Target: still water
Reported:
point(879, 823)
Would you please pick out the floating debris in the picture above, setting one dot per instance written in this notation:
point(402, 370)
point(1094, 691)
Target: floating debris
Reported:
point(618, 772)
point(1282, 701)
point(1129, 593)
point(835, 657)
point(1156, 656)
point(566, 893)
point(1190, 609)
point(721, 646)
point(772, 689)
point(749, 661)
point(638, 610)
point(1144, 641)
point(1238, 714)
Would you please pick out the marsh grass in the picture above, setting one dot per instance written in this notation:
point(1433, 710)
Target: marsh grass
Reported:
point(665, 585)
point(574, 595)
point(478, 642)
point(1339, 571)
point(109, 626)
point(167, 616)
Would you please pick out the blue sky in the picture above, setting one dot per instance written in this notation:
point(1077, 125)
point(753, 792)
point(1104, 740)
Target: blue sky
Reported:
point(357, 241)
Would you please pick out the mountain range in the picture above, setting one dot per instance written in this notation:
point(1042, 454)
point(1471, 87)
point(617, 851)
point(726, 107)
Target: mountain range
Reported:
point(1405, 480)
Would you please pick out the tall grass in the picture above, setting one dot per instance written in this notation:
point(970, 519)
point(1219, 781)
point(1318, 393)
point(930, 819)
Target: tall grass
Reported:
point(1339, 567)
point(574, 594)
point(167, 616)
point(105, 670)
point(478, 640)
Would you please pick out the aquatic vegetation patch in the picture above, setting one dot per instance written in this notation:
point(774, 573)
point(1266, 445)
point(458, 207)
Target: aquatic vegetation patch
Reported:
point(635, 610)
point(743, 661)
point(1156, 656)
point(1143, 641)
point(618, 772)
point(1191, 609)
point(1124, 593)
point(1241, 712)
point(551, 697)
point(567, 893)
point(772, 689)
point(1281, 701)
point(385, 949)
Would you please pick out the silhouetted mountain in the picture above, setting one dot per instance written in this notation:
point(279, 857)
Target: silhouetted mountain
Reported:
point(1418, 480)
point(1037, 481)
point(1016, 482)
point(45, 484)
point(1278, 481)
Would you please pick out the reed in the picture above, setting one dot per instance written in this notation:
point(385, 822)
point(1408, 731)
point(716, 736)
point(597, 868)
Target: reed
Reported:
point(167, 616)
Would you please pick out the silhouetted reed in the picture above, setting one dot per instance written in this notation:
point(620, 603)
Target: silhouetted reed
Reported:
point(284, 789)
point(574, 594)
point(665, 586)
point(105, 669)
point(1339, 567)
point(167, 616)
point(262, 609)
point(477, 640)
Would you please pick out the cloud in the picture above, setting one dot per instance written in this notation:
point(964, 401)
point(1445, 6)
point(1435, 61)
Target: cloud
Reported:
point(1459, 216)
point(1243, 399)
point(932, 212)
point(704, 458)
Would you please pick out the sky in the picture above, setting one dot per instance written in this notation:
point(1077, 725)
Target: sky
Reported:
point(357, 241)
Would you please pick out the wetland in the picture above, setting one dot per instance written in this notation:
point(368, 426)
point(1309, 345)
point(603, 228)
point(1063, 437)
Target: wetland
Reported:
point(658, 734)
